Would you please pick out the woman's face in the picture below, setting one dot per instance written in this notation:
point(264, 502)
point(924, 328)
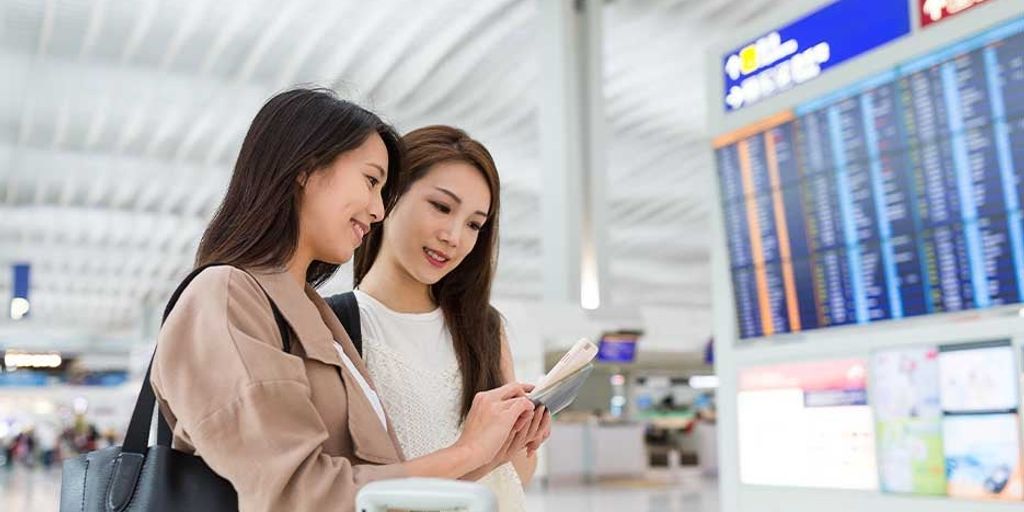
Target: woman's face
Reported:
point(437, 221)
point(340, 201)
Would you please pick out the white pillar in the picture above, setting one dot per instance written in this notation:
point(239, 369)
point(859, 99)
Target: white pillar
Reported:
point(572, 125)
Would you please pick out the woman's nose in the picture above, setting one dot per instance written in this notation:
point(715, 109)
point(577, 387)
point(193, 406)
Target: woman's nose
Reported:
point(450, 236)
point(377, 207)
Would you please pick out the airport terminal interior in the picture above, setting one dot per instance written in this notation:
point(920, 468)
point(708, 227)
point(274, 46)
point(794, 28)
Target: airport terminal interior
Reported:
point(791, 232)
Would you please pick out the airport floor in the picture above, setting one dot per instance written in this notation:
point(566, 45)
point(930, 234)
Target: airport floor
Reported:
point(24, 490)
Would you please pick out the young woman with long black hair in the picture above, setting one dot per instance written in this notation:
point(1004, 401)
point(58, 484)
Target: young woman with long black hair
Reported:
point(298, 429)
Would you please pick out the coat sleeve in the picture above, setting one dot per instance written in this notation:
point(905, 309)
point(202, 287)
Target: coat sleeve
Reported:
point(244, 405)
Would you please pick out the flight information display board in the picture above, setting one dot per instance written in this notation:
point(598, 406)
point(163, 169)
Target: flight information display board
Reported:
point(896, 197)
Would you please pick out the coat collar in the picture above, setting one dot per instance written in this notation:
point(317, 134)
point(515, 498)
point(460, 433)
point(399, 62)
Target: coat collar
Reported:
point(297, 305)
point(318, 330)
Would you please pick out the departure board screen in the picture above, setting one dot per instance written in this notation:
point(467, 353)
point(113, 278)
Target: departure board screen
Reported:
point(898, 196)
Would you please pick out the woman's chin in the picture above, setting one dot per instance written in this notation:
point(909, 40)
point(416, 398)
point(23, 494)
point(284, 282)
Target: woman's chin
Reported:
point(339, 257)
point(429, 276)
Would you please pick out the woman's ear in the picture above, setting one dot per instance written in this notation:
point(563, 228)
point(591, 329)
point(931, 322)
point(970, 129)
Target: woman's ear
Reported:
point(302, 178)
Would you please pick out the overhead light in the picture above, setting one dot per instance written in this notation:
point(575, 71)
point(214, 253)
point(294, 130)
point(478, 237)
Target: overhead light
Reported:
point(704, 382)
point(19, 308)
point(27, 360)
point(1021, 312)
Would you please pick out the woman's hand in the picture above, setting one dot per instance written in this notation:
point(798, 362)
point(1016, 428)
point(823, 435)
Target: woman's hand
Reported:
point(524, 430)
point(492, 419)
point(540, 430)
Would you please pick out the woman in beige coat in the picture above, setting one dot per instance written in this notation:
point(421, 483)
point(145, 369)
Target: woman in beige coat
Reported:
point(304, 429)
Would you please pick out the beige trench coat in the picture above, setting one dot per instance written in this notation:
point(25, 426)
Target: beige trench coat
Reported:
point(291, 432)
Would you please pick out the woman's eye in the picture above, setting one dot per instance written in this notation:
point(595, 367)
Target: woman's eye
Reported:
point(373, 181)
point(475, 226)
point(441, 207)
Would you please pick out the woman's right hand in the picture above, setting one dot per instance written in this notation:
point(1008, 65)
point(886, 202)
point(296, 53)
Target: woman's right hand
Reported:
point(493, 415)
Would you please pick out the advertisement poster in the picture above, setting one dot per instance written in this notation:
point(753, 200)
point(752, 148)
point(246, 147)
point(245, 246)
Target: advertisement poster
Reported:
point(981, 427)
point(983, 456)
point(908, 415)
point(807, 425)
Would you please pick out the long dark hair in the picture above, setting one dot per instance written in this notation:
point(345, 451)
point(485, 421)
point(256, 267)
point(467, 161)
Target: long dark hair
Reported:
point(464, 295)
point(296, 133)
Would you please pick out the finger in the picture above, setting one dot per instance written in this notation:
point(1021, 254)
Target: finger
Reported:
point(535, 426)
point(508, 443)
point(510, 390)
point(546, 422)
point(537, 421)
point(525, 419)
point(517, 416)
point(520, 440)
point(519, 404)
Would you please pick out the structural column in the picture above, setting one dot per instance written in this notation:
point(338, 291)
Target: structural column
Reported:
point(573, 156)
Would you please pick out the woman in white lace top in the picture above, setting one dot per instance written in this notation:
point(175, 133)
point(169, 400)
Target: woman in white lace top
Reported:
point(431, 340)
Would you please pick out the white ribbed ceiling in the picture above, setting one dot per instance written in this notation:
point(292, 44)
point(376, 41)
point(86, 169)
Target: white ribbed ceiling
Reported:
point(120, 120)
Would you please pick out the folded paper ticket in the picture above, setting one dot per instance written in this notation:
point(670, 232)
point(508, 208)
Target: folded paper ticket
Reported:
point(559, 387)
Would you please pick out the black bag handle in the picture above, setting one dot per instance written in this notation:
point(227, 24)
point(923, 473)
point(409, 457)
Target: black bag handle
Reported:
point(346, 308)
point(136, 439)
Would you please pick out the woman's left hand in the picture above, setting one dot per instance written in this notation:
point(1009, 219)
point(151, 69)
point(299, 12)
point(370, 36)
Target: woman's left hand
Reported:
point(539, 431)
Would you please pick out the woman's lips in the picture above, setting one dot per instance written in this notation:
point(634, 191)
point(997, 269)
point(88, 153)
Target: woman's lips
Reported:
point(360, 230)
point(436, 259)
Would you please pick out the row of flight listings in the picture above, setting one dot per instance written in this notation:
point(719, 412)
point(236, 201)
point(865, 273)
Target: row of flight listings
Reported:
point(923, 420)
point(896, 197)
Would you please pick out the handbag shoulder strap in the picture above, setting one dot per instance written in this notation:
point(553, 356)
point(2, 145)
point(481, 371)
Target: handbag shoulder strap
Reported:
point(136, 439)
point(346, 308)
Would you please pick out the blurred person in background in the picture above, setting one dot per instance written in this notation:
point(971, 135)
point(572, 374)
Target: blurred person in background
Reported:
point(48, 437)
point(431, 340)
point(302, 428)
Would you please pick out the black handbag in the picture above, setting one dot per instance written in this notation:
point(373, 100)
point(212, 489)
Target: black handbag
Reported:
point(137, 477)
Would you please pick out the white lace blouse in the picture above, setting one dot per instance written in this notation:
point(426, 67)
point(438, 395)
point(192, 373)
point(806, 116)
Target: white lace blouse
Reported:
point(413, 364)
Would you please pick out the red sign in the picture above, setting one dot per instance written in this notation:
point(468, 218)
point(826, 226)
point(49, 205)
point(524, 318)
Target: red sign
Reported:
point(938, 10)
point(808, 376)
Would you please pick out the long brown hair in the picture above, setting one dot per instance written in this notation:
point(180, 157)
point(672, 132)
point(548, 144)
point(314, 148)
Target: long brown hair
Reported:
point(464, 294)
point(296, 133)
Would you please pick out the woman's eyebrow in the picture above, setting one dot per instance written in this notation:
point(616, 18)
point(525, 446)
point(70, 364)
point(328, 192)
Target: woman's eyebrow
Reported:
point(456, 198)
point(383, 173)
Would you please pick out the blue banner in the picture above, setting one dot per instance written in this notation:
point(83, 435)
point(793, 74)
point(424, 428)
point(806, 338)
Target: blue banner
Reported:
point(24, 379)
point(802, 50)
point(22, 272)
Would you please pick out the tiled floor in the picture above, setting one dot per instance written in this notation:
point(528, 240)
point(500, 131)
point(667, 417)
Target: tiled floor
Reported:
point(661, 492)
point(38, 491)
point(23, 490)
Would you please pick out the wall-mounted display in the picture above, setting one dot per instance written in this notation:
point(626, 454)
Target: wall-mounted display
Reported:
point(896, 197)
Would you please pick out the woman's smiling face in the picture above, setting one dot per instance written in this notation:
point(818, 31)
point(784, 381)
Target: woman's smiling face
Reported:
point(342, 200)
point(436, 223)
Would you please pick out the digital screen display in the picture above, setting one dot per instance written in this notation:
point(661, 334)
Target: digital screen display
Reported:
point(981, 426)
point(896, 197)
point(983, 456)
point(617, 348)
point(908, 420)
point(807, 425)
point(978, 378)
point(947, 420)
